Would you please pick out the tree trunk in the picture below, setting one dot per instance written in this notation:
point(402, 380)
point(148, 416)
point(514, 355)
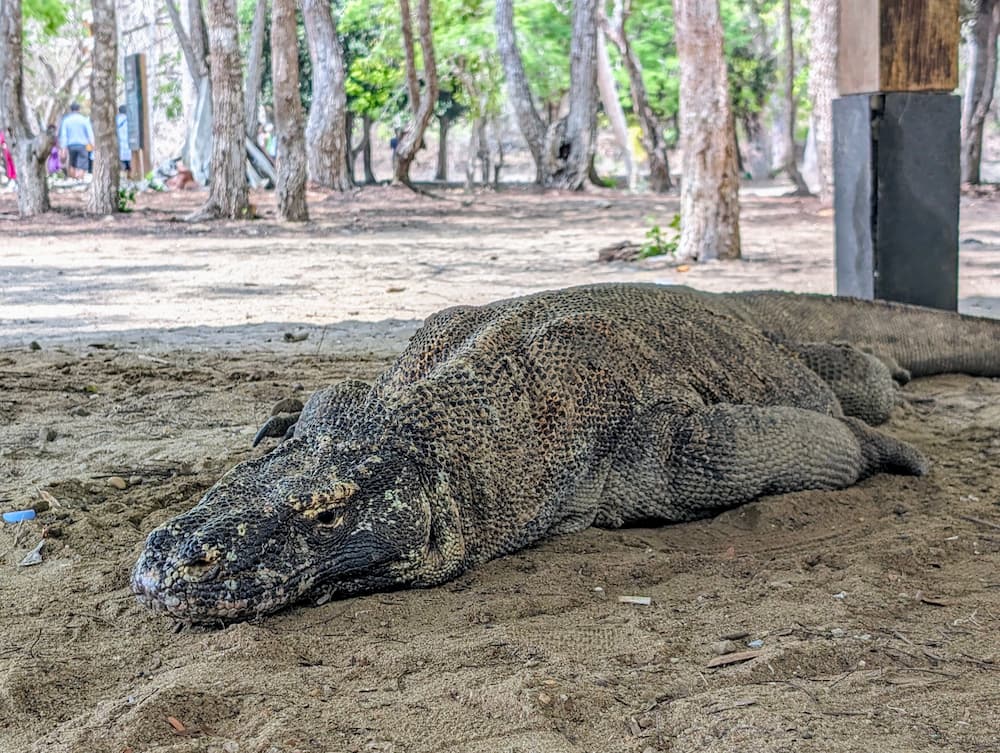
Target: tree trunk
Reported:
point(570, 144)
point(518, 91)
point(790, 167)
point(198, 141)
point(228, 195)
point(255, 68)
point(652, 130)
point(710, 211)
point(981, 38)
point(823, 20)
point(613, 108)
point(103, 197)
point(422, 105)
point(30, 151)
point(366, 150)
point(442, 164)
point(758, 146)
point(326, 131)
point(289, 119)
point(192, 45)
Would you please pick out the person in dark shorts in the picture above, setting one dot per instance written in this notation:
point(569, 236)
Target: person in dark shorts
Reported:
point(76, 134)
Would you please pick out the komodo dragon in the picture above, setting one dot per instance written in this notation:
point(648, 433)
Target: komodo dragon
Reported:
point(502, 424)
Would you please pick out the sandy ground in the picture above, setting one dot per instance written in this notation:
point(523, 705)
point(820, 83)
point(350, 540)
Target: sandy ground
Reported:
point(161, 346)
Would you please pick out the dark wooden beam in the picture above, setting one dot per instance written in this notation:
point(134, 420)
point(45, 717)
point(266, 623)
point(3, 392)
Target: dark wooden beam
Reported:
point(898, 46)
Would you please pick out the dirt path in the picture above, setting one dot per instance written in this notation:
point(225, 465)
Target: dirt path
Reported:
point(876, 608)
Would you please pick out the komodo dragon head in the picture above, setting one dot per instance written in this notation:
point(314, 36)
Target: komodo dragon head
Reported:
point(316, 518)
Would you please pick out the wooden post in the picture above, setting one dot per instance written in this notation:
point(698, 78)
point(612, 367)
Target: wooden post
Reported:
point(896, 151)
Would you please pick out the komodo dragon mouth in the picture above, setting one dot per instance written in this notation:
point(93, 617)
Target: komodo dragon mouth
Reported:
point(502, 424)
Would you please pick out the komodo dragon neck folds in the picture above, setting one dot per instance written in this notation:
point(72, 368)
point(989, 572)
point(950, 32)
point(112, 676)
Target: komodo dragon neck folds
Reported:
point(502, 424)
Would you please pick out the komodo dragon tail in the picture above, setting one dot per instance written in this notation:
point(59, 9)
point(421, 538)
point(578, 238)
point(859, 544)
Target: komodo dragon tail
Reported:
point(922, 340)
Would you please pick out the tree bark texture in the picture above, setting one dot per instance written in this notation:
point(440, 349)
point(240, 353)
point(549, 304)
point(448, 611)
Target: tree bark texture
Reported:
point(195, 52)
point(652, 130)
point(255, 70)
point(421, 104)
point(366, 150)
point(710, 212)
point(198, 142)
point(528, 120)
point(326, 131)
point(29, 150)
point(823, 20)
point(103, 198)
point(788, 131)
point(981, 38)
point(289, 119)
point(570, 143)
point(613, 107)
point(228, 194)
point(441, 173)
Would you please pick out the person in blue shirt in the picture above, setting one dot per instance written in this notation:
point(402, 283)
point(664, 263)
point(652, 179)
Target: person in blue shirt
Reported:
point(124, 150)
point(76, 135)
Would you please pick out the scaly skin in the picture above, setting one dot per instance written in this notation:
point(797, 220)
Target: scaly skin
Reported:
point(502, 424)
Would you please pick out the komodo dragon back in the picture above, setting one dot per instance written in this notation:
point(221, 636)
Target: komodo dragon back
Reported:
point(505, 423)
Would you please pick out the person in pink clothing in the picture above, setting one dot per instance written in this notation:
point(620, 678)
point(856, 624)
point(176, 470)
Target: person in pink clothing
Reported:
point(7, 159)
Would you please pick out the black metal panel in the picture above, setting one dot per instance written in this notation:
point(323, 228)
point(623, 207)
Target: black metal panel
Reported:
point(896, 172)
point(917, 203)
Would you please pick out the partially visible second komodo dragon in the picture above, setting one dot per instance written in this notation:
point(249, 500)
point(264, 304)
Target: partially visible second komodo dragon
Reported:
point(505, 423)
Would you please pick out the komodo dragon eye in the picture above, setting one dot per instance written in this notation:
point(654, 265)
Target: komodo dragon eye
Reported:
point(325, 507)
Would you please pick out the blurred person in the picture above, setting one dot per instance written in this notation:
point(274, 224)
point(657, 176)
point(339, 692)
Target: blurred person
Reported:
point(124, 150)
point(76, 135)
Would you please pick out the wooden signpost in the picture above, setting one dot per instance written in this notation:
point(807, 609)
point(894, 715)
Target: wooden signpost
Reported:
point(896, 151)
point(137, 112)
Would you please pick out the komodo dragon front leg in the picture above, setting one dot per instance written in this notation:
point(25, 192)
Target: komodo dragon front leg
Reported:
point(681, 466)
point(865, 385)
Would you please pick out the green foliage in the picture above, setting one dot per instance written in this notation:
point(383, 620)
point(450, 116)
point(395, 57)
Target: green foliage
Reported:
point(544, 30)
point(168, 95)
point(651, 32)
point(658, 243)
point(51, 15)
point(126, 198)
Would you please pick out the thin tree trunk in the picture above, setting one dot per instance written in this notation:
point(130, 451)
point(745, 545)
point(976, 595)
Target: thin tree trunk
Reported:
point(710, 211)
point(790, 167)
point(613, 108)
point(326, 131)
point(103, 197)
point(194, 53)
point(650, 126)
point(528, 120)
point(570, 144)
point(366, 150)
point(289, 119)
point(823, 20)
point(198, 142)
point(980, 82)
point(442, 162)
point(30, 151)
point(422, 105)
point(255, 70)
point(471, 157)
point(229, 194)
point(758, 162)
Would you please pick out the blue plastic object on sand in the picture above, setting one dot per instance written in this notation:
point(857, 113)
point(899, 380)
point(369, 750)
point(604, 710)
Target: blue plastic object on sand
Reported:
point(18, 515)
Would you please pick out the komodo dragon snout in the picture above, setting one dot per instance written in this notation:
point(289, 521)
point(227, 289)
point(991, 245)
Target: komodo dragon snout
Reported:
point(315, 516)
